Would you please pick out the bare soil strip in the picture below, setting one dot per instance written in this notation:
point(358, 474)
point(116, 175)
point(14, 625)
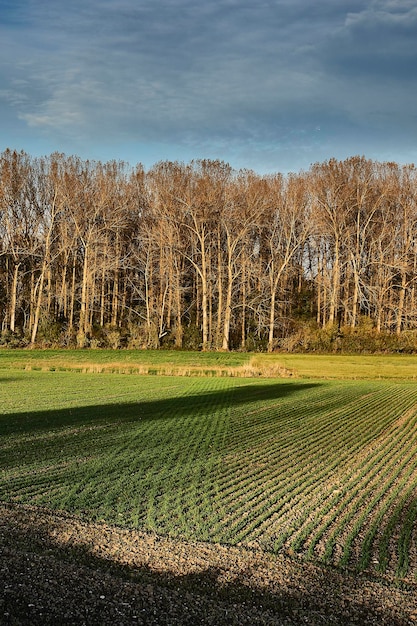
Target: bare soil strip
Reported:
point(57, 568)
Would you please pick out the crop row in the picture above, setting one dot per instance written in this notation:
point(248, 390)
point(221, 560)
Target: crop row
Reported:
point(326, 470)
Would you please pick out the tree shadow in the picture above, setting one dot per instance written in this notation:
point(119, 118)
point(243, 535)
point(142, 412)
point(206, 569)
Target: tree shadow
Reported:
point(57, 570)
point(130, 412)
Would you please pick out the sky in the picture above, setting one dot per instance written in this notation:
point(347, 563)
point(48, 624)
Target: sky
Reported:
point(267, 85)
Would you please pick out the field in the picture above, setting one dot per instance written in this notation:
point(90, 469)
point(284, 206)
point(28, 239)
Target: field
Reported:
point(321, 469)
point(154, 362)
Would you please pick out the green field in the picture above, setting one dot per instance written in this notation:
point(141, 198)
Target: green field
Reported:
point(169, 362)
point(322, 467)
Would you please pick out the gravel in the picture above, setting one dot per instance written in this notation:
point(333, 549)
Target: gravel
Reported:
point(56, 568)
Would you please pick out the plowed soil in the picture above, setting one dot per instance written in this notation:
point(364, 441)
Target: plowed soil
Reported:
point(60, 569)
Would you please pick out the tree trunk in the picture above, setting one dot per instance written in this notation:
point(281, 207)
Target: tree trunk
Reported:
point(272, 318)
point(401, 302)
point(243, 321)
point(204, 304)
point(72, 300)
point(83, 321)
point(38, 304)
point(13, 297)
point(334, 294)
point(228, 304)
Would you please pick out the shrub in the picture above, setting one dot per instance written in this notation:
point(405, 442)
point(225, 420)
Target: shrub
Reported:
point(362, 339)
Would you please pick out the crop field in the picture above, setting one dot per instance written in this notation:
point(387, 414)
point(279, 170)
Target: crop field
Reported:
point(319, 469)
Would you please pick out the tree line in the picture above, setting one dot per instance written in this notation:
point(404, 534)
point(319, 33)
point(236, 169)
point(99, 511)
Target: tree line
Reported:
point(200, 255)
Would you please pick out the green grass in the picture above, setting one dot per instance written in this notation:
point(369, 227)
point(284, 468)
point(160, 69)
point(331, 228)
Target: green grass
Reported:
point(119, 360)
point(341, 366)
point(335, 366)
point(325, 469)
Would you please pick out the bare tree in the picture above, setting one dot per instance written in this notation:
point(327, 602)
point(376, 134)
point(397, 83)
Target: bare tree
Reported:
point(286, 229)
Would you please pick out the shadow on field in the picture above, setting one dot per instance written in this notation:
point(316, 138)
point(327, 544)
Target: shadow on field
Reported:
point(166, 408)
point(57, 569)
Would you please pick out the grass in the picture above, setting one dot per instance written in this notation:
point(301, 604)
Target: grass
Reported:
point(125, 361)
point(340, 366)
point(325, 469)
point(172, 362)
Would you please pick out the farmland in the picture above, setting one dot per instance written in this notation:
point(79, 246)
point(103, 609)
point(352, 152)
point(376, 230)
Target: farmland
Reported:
point(320, 469)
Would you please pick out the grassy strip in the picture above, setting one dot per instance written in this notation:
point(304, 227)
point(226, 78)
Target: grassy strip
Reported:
point(352, 367)
point(145, 362)
point(178, 363)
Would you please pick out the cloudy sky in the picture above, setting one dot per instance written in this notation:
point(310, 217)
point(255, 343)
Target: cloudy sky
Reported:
point(271, 85)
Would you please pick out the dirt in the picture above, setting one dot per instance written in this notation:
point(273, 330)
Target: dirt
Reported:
point(60, 569)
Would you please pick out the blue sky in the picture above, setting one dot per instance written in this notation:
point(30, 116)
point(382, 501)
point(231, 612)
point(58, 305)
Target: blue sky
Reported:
point(270, 85)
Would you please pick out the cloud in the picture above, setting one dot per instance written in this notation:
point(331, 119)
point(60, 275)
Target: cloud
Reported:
point(231, 77)
point(156, 67)
point(378, 42)
point(370, 61)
